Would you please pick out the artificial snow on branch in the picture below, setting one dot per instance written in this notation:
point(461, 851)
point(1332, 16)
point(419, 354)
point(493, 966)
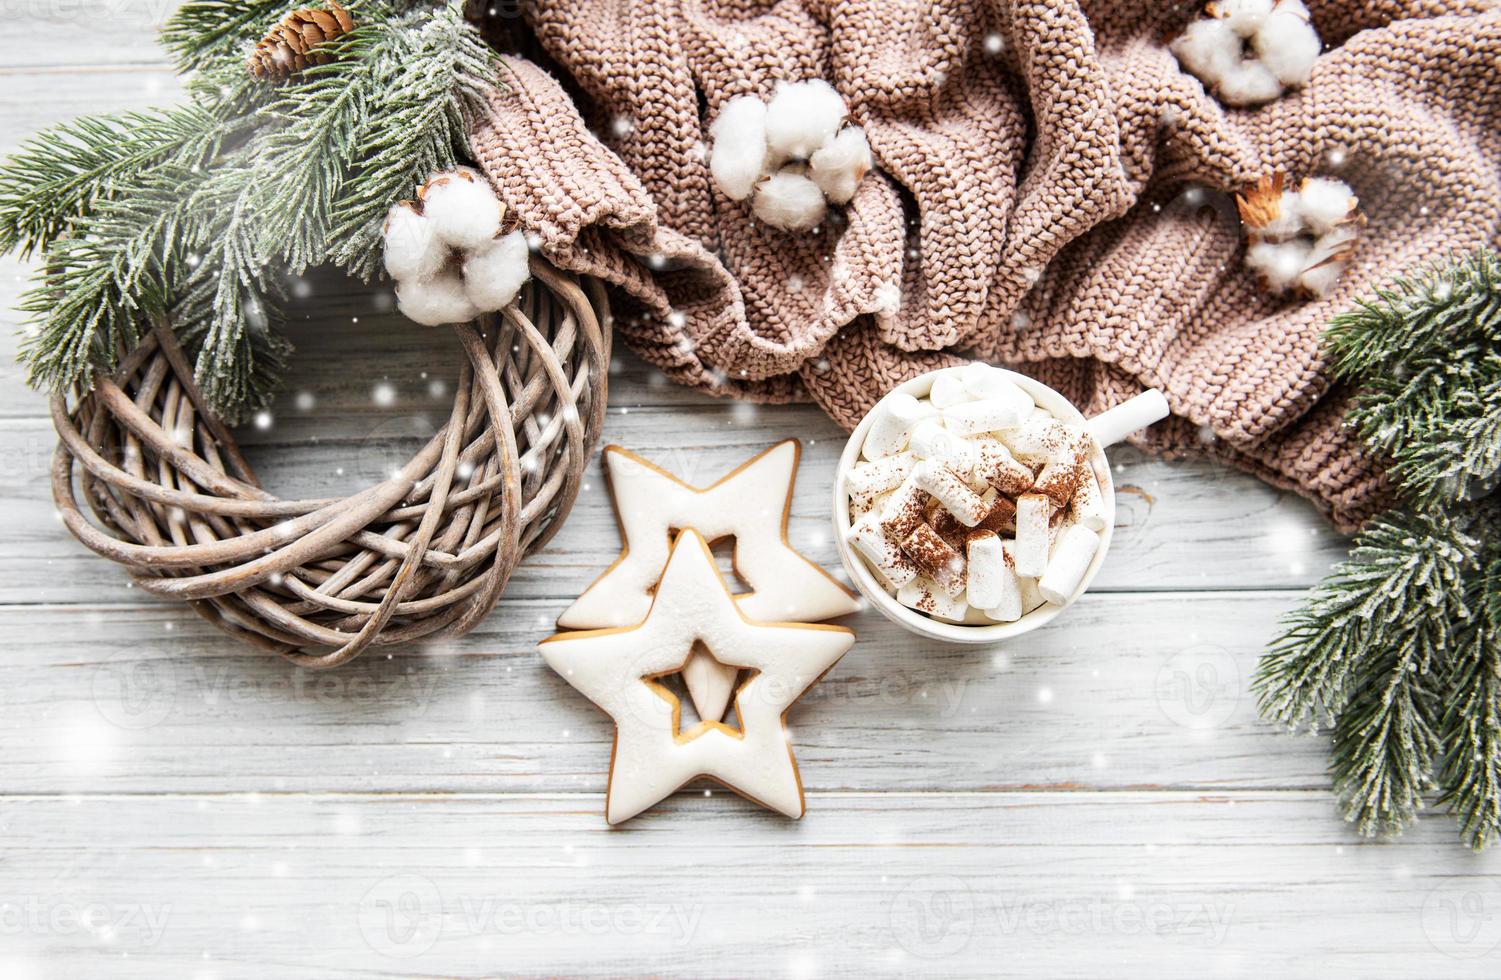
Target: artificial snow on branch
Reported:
point(202, 212)
point(1250, 51)
point(1399, 649)
point(794, 154)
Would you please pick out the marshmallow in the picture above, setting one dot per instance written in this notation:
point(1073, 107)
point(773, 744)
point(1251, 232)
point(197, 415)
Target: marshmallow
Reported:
point(996, 466)
point(1034, 512)
point(984, 382)
point(950, 490)
point(1031, 598)
point(896, 416)
point(904, 510)
point(1069, 561)
point(867, 537)
point(983, 573)
point(1088, 505)
point(1038, 438)
point(1008, 605)
point(947, 391)
point(867, 479)
point(990, 415)
point(937, 559)
point(925, 596)
point(932, 440)
point(1112, 426)
point(1059, 479)
point(862, 505)
point(1001, 515)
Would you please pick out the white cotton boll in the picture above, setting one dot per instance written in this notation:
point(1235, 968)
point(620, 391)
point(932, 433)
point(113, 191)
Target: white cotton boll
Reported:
point(1242, 16)
point(1325, 262)
point(463, 209)
point(494, 274)
point(1320, 281)
point(1209, 49)
point(1288, 45)
point(412, 251)
point(789, 201)
point(739, 156)
point(1278, 263)
point(435, 301)
point(802, 117)
point(1324, 203)
point(1289, 220)
point(839, 166)
point(1249, 83)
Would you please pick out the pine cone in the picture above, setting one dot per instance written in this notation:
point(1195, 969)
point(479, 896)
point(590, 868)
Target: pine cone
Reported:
point(293, 44)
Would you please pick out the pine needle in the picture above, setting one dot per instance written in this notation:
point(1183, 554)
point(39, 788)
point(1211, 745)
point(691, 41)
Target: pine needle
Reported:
point(1400, 647)
point(201, 212)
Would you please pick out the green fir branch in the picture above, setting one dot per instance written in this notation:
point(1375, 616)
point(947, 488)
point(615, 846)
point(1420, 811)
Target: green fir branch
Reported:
point(59, 176)
point(1400, 647)
point(1470, 729)
point(205, 34)
point(432, 88)
point(1400, 563)
point(200, 212)
point(1427, 354)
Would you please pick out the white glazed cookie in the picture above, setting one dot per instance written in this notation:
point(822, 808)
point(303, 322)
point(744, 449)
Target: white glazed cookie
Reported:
point(750, 504)
point(693, 612)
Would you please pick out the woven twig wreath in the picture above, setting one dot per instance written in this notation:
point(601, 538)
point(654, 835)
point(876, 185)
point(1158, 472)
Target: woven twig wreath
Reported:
point(318, 581)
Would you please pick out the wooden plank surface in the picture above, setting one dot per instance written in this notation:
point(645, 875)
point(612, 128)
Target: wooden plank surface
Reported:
point(1164, 885)
point(1097, 799)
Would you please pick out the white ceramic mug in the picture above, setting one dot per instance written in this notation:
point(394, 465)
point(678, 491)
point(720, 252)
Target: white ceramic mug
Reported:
point(1106, 428)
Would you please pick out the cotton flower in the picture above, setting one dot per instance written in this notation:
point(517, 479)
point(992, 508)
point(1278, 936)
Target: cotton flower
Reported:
point(1278, 263)
point(1287, 43)
point(464, 211)
point(1325, 203)
point(412, 250)
point(493, 275)
point(739, 157)
point(789, 200)
point(1244, 17)
point(436, 300)
point(1209, 49)
point(792, 154)
point(802, 117)
point(1249, 83)
point(1250, 51)
point(839, 166)
point(445, 251)
point(1299, 239)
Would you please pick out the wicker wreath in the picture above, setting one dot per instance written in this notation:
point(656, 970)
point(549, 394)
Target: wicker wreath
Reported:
point(318, 581)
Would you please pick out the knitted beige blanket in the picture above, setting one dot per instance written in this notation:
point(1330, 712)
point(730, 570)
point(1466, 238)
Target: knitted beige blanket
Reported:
point(1051, 193)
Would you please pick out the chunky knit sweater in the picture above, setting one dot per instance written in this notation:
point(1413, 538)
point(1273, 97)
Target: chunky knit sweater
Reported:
point(1052, 192)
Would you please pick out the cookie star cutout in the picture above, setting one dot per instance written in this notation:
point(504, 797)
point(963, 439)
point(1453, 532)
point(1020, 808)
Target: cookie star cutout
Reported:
point(751, 503)
point(693, 613)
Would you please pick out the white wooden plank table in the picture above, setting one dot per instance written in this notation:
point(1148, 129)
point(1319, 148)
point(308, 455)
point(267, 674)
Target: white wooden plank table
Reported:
point(1097, 799)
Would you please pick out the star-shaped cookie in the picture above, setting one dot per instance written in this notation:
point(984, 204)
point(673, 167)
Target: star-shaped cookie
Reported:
point(752, 504)
point(693, 612)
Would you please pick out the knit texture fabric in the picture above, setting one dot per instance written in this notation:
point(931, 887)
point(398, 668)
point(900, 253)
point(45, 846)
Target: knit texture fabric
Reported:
point(1052, 192)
